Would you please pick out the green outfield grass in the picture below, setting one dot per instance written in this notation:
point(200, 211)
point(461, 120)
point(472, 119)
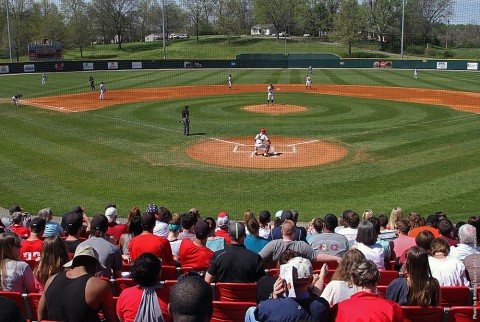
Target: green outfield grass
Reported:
point(422, 158)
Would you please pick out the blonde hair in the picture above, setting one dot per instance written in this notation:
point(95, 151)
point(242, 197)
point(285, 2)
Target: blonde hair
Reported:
point(367, 213)
point(395, 215)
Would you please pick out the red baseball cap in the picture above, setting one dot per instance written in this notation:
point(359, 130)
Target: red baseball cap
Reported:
point(262, 130)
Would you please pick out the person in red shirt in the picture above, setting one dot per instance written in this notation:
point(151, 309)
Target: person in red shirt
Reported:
point(365, 305)
point(17, 225)
point(195, 254)
point(114, 229)
point(147, 242)
point(222, 223)
point(430, 224)
point(31, 248)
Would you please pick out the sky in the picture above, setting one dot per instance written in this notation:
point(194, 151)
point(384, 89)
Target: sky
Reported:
point(466, 12)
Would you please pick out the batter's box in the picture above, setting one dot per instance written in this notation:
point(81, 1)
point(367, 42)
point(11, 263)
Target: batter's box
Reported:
point(275, 150)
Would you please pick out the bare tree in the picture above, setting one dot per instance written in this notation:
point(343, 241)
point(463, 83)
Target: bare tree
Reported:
point(280, 13)
point(382, 16)
point(78, 24)
point(349, 22)
point(429, 13)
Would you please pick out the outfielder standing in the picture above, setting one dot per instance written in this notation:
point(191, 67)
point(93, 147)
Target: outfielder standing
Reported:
point(308, 82)
point(102, 91)
point(262, 142)
point(186, 120)
point(415, 73)
point(270, 90)
point(44, 79)
point(230, 81)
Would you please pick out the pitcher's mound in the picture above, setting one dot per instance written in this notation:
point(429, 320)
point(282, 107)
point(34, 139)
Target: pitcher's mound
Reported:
point(275, 109)
point(285, 152)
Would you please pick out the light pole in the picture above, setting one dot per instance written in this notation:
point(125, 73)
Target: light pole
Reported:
point(403, 28)
point(446, 38)
point(163, 31)
point(9, 34)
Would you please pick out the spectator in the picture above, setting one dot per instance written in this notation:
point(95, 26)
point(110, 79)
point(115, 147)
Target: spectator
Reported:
point(264, 221)
point(74, 224)
point(340, 287)
point(223, 222)
point(54, 256)
point(31, 249)
point(403, 241)
point(367, 244)
point(311, 227)
point(247, 215)
point(276, 233)
point(164, 217)
point(329, 242)
point(17, 225)
point(295, 303)
point(195, 254)
point(191, 299)
point(174, 228)
point(395, 215)
point(303, 230)
point(77, 295)
point(430, 224)
point(214, 243)
point(419, 288)
point(114, 229)
point(109, 254)
point(472, 269)
point(147, 242)
point(253, 241)
point(385, 245)
point(365, 305)
point(51, 227)
point(367, 214)
point(351, 221)
point(134, 229)
point(385, 234)
point(9, 311)
point(235, 263)
point(188, 224)
point(16, 275)
point(445, 227)
point(80, 210)
point(466, 236)
point(147, 300)
point(424, 240)
point(474, 221)
point(449, 271)
point(277, 221)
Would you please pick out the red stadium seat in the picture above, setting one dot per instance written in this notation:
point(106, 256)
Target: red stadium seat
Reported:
point(317, 265)
point(422, 314)
point(463, 314)
point(121, 284)
point(230, 311)
point(386, 277)
point(18, 299)
point(382, 289)
point(233, 292)
point(186, 269)
point(33, 299)
point(168, 273)
point(126, 267)
point(273, 272)
point(454, 296)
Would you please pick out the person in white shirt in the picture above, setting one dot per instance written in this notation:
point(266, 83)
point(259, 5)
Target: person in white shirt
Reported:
point(367, 244)
point(466, 235)
point(264, 221)
point(351, 220)
point(447, 270)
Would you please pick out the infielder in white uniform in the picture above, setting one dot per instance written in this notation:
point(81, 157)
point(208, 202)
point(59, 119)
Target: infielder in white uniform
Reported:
point(308, 82)
point(262, 142)
point(44, 79)
point(415, 73)
point(102, 91)
point(270, 90)
point(230, 81)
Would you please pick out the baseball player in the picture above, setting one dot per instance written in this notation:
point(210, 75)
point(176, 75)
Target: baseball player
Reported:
point(415, 73)
point(186, 121)
point(270, 90)
point(44, 79)
point(262, 142)
point(16, 98)
point(308, 82)
point(92, 83)
point(102, 91)
point(230, 81)
point(310, 69)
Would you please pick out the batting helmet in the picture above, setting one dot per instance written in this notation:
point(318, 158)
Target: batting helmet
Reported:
point(262, 130)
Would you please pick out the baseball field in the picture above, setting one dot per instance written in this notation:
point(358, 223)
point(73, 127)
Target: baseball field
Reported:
point(358, 139)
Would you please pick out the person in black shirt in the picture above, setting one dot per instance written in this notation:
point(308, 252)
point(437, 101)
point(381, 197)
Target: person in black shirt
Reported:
point(92, 83)
point(186, 120)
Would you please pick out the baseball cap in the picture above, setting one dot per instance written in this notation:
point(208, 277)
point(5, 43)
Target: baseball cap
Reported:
point(222, 214)
point(74, 221)
point(286, 215)
point(262, 130)
point(278, 214)
point(99, 222)
point(223, 222)
point(302, 268)
point(38, 222)
point(201, 229)
point(16, 217)
point(77, 209)
point(236, 230)
point(15, 208)
point(111, 213)
point(86, 251)
point(152, 209)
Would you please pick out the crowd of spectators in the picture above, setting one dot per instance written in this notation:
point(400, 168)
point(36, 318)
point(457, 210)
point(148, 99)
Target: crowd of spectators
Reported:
point(71, 263)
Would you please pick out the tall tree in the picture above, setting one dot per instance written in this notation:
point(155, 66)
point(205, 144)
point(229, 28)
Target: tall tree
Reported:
point(195, 10)
point(313, 16)
point(228, 19)
point(148, 17)
point(382, 17)
point(280, 13)
point(79, 25)
point(20, 25)
point(429, 13)
point(349, 23)
point(116, 14)
point(48, 22)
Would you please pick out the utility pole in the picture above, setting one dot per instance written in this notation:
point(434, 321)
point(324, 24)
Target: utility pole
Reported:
point(163, 31)
point(403, 28)
point(9, 35)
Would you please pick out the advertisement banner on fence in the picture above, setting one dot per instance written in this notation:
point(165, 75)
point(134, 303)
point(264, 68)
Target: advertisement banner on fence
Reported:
point(4, 69)
point(472, 66)
point(112, 65)
point(137, 65)
point(58, 66)
point(442, 65)
point(87, 66)
point(29, 68)
point(382, 64)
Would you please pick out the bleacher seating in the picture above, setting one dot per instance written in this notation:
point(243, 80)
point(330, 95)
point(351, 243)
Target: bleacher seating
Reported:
point(230, 311)
point(33, 299)
point(235, 292)
point(386, 277)
point(463, 314)
point(454, 296)
point(18, 299)
point(422, 314)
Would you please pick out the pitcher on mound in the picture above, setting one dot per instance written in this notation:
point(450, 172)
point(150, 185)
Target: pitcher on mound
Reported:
point(262, 142)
